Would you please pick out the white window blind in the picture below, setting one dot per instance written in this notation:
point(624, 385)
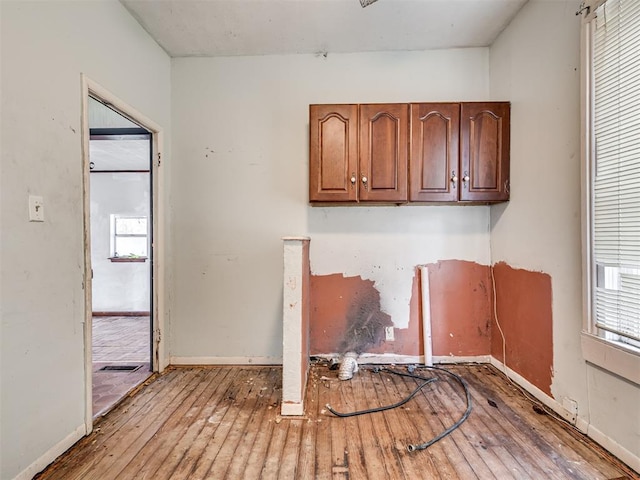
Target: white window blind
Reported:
point(616, 172)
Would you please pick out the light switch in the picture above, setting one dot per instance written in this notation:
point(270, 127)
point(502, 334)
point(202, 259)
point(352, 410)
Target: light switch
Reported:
point(36, 209)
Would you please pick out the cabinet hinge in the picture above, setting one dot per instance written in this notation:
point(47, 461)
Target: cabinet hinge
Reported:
point(159, 158)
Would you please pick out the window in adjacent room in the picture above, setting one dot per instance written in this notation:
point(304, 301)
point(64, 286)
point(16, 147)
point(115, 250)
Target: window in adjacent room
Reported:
point(128, 237)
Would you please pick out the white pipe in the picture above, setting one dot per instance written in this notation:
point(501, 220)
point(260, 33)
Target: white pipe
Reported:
point(426, 315)
point(349, 366)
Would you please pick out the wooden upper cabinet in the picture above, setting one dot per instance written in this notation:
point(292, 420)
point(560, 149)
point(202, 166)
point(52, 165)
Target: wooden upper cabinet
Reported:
point(485, 150)
point(384, 130)
point(399, 152)
point(434, 157)
point(333, 153)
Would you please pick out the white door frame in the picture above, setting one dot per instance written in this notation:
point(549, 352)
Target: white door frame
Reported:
point(158, 358)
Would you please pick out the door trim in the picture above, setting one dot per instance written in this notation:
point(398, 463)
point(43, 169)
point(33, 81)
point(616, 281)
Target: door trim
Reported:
point(158, 358)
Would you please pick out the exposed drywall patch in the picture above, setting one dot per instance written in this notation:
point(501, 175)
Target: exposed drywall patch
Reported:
point(461, 307)
point(407, 341)
point(345, 315)
point(524, 311)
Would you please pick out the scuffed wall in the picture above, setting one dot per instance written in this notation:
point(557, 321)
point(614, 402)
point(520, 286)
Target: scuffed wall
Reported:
point(461, 306)
point(346, 313)
point(523, 300)
point(346, 316)
point(242, 137)
point(45, 46)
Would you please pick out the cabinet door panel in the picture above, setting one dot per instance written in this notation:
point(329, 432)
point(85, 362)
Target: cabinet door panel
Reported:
point(383, 152)
point(333, 153)
point(485, 144)
point(433, 163)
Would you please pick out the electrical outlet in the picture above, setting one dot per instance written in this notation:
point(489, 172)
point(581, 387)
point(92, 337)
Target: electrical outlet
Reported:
point(389, 334)
point(36, 209)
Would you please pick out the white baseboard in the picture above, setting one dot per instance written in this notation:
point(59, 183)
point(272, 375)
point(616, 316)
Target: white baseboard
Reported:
point(581, 424)
point(51, 454)
point(383, 358)
point(471, 359)
point(541, 396)
point(615, 448)
point(226, 360)
point(389, 358)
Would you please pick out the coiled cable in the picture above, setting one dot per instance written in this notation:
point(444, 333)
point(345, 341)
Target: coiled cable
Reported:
point(425, 382)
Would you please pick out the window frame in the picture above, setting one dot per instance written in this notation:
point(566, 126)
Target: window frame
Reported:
point(616, 357)
point(113, 235)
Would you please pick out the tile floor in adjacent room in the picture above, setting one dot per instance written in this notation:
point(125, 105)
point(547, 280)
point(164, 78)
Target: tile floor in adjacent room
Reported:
point(118, 341)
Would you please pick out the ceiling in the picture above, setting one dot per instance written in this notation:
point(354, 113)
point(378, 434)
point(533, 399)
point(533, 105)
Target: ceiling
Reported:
point(120, 154)
point(262, 27)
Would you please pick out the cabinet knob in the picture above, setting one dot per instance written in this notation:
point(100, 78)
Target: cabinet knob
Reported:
point(364, 181)
point(454, 178)
point(466, 177)
point(353, 179)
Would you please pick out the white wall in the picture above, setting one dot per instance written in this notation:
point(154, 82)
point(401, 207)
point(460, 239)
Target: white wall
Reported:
point(241, 183)
point(535, 63)
point(44, 48)
point(118, 286)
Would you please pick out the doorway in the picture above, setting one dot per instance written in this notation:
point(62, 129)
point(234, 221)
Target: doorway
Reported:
point(121, 256)
point(122, 332)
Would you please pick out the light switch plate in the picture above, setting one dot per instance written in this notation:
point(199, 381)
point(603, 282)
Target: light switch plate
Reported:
point(36, 209)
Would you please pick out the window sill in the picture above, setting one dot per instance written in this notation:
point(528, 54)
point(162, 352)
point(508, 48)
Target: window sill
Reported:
point(128, 259)
point(624, 362)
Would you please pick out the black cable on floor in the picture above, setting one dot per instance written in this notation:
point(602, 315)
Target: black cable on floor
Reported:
point(426, 381)
point(465, 415)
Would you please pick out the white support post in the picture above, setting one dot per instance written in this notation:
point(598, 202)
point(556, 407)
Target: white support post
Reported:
point(295, 326)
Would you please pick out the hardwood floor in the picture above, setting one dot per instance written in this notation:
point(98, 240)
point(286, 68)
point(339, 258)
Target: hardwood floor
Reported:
point(223, 422)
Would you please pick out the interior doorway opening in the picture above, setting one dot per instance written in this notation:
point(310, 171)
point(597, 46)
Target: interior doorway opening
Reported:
point(120, 193)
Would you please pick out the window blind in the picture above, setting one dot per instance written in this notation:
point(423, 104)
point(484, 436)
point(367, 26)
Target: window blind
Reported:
point(616, 179)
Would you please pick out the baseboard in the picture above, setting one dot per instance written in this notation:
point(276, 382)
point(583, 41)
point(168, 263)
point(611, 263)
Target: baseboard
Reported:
point(581, 424)
point(388, 358)
point(175, 360)
point(51, 454)
point(542, 397)
point(470, 359)
point(383, 358)
point(121, 314)
point(615, 448)
point(365, 358)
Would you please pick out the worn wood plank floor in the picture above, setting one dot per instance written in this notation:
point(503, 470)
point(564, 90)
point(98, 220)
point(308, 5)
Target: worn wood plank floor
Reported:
point(223, 422)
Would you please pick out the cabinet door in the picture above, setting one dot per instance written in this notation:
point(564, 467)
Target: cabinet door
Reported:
point(333, 153)
point(384, 130)
point(433, 161)
point(485, 145)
